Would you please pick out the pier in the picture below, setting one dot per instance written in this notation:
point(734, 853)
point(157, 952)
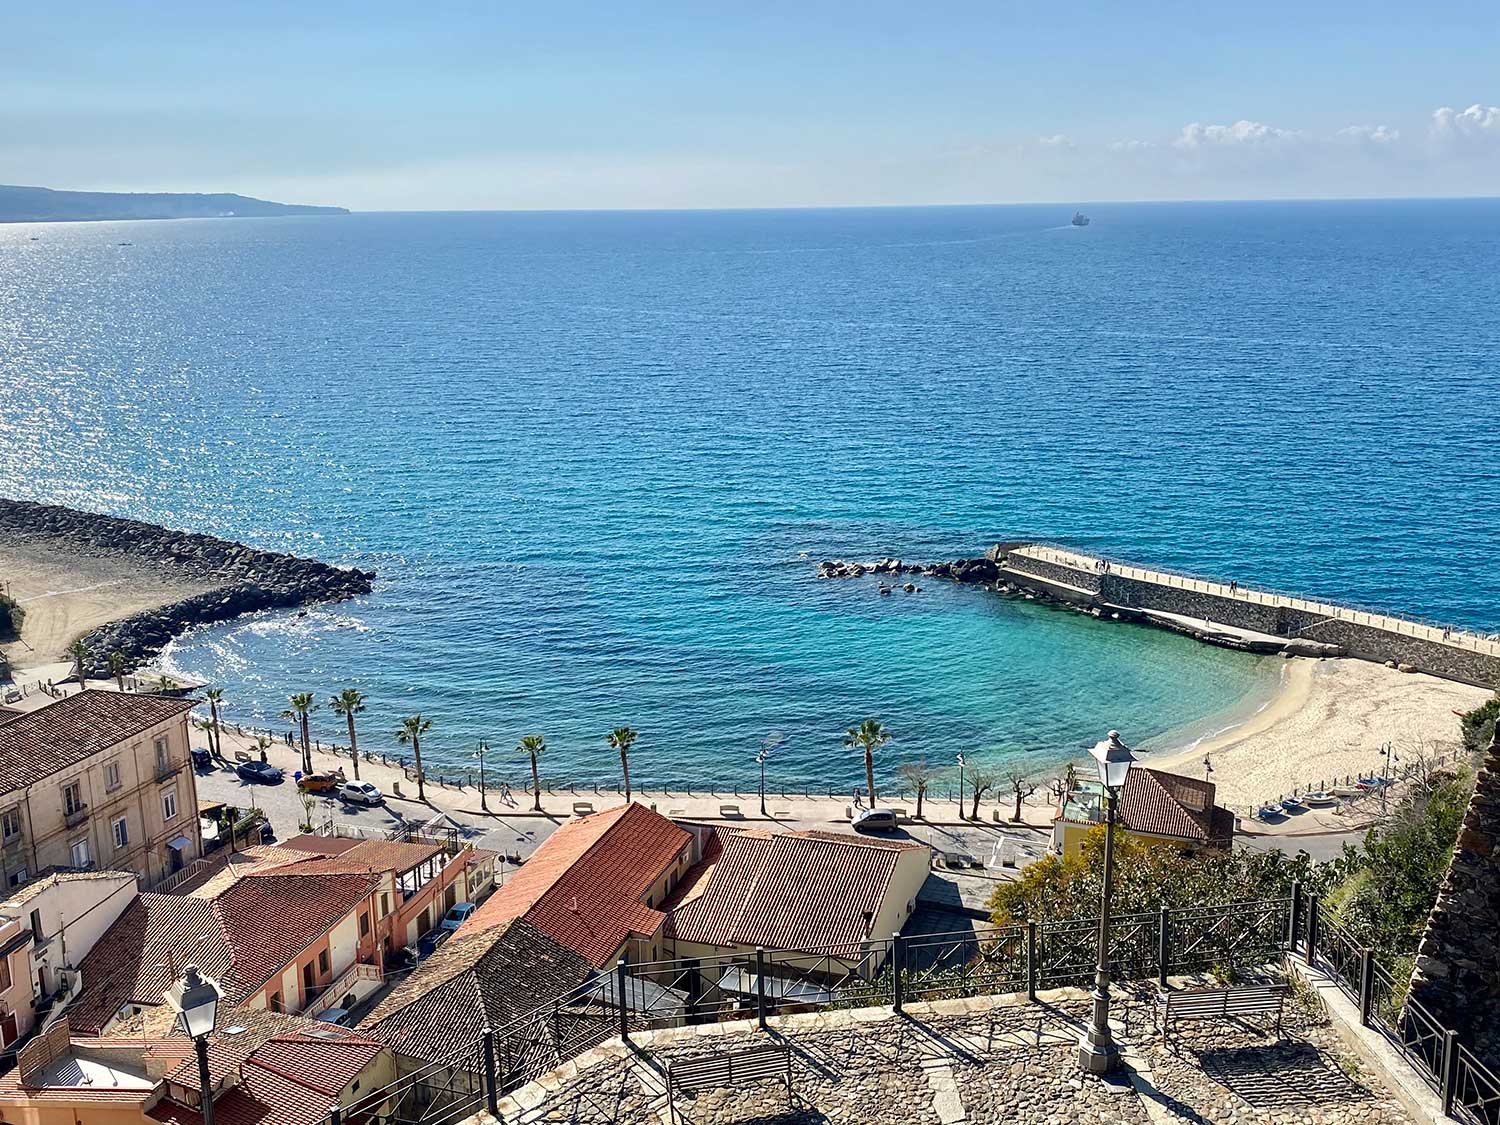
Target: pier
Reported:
point(1255, 620)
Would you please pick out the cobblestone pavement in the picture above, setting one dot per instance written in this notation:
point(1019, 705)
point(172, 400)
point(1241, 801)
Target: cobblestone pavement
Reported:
point(985, 1060)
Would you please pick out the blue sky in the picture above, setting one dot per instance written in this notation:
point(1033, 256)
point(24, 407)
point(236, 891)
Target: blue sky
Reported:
point(399, 106)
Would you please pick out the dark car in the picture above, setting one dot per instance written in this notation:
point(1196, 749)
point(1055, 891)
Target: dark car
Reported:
point(202, 759)
point(258, 771)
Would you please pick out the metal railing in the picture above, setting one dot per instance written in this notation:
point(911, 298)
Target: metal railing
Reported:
point(758, 984)
point(1469, 1089)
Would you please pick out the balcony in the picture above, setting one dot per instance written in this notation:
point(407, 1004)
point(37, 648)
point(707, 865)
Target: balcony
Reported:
point(76, 817)
point(167, 770)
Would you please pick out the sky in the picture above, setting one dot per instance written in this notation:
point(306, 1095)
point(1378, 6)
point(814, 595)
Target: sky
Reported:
point(436, 106)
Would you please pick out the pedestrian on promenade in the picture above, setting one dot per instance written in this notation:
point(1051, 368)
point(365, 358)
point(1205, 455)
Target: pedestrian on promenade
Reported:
point(1233, 586)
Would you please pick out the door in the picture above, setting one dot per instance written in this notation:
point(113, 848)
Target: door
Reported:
point(7, 1029)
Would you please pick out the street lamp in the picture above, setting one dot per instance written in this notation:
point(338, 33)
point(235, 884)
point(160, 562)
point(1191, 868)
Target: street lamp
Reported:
point(1097, 1053)
point(483, 746)
point(1388, 752)
point(196, 1001)
point(961, 764)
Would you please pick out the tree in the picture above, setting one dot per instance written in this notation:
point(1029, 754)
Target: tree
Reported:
point(869, 736)
point(302, 706)
point(348, 703)
point(118, 666)
point(79, 651)
point(534, 746)
point(413, 727)
point(622, 739)
point(919, 775)
point(215, 696)
point(12, 614)
point(1478, 725)
point(308, 803)
point(1021, 787)
point(262, 744)
point(983, 781)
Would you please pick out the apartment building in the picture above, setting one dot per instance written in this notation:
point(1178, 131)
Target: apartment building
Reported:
point(97, 779)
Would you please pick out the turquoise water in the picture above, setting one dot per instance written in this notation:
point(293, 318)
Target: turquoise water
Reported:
point(588, 452)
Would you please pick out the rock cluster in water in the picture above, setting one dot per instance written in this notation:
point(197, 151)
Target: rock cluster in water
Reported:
point(245, 578)
point(970, 571)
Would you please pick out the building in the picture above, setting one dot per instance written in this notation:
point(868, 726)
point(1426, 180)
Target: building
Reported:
point(599, 885)
point(823, 893)
point(264, 1069)
point(1154, 805)
point(280, 938)
point(482, 977)
point(46, 928)
point(98, 779)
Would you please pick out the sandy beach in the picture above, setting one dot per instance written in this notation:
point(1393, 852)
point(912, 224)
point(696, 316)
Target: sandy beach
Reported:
point(1327, 718)
point(66, 595)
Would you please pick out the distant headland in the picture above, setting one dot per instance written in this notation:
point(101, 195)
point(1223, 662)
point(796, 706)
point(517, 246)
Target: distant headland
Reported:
point(44, 205)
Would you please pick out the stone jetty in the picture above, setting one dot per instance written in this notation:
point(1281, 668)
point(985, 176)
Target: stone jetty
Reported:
point(245, 579)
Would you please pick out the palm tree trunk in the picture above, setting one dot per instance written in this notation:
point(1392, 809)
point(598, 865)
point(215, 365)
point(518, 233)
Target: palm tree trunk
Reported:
point(870, 777)
point(416, 754)
point(213, 730)
point(536, 786)
point(353, 745)
point(306, 745)
point(625, 769)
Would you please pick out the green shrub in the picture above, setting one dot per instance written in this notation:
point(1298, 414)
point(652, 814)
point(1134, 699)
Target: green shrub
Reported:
point(12, 614)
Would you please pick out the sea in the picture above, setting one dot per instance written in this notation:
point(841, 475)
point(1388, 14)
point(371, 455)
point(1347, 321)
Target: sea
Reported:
point(595, 458)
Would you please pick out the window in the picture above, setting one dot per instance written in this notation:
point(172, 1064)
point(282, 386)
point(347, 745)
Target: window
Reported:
point(160, 746)
point(10, 824)
point(72, 798)
point(364, 924)
point(323, 963)
point(78, 851)
point(120, 830)
point(17, 877)
point(111, 776)
point(169, 805)
point(385, 905)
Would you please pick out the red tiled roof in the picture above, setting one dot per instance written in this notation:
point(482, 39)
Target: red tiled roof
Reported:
point(1167, 804)
point(261, 1097)
point(367, 855)
point(243, 937)
point(36, 744)
point(320, 845)
point(794, 890)
point(585, 887)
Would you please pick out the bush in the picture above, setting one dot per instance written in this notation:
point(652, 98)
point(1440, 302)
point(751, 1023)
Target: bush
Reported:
point(1478, 725)
point(12, 614)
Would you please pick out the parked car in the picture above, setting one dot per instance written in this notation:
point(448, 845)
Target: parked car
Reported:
point(430, 941)
point(457, 914)
point(339, 1016)
point(202, 759)
point(873, 820)
point(319, 782)
point(263, 772)
point(361, 793)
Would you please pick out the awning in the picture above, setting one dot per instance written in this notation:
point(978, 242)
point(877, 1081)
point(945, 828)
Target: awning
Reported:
point(179, 843)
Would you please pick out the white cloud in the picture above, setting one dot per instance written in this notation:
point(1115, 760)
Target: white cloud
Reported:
point(1130, 146)
point(1475, 122)
point(1056, 140)
point(1196, 136)
point(1371, 134)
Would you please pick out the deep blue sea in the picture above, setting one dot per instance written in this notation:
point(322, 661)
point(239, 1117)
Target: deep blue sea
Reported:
point(596, 457)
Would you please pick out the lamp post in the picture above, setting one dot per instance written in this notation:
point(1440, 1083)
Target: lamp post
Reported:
point(196, 1000)
point(961, 764)
point(483, 746)
point(1097, 1053)
point(1388, 752)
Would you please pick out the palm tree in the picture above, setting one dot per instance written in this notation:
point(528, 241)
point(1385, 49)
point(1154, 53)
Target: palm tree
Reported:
point(919, 775)
point(214, 696)
point(79, 650)
point(302, 706)
point(262, 744)
point(869, 736)
point(348, 703)
point(413, 727)
point(118, 666)
point(622, 739)
point(533, 746)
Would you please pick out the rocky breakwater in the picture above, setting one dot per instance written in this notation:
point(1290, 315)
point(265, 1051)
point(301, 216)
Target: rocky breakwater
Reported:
point(969, 572)
point(244, 579)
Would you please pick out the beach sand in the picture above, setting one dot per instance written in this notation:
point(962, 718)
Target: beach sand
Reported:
point(1328, 718)
point(66, 595)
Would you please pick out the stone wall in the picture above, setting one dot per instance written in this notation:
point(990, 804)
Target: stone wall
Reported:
point(246, 578)
point(1357, 638)
point(1457, 974)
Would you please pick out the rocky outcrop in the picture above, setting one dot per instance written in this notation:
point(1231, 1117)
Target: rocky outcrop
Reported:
point(245, 579)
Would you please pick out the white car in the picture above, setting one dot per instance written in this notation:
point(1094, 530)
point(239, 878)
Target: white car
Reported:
point(361, 793)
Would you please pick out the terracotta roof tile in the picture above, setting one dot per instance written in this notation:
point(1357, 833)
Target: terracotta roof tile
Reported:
point(586, 885)
point(368, 855)
point(39, 743)
point(1167, 804)
point(320, 845)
